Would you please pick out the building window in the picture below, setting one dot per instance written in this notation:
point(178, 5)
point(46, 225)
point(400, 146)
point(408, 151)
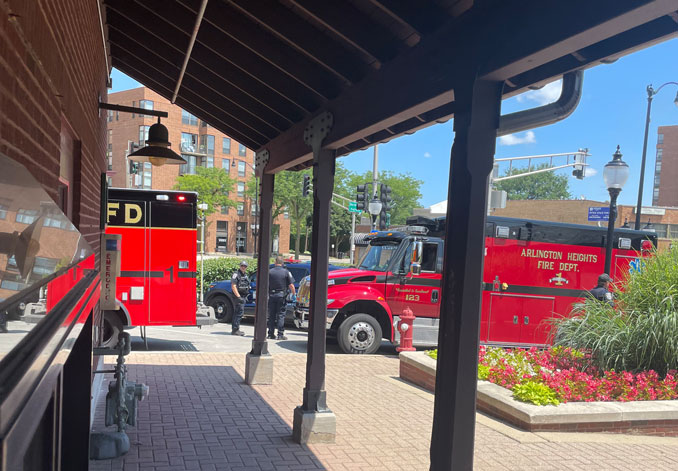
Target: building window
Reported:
point(286, 214)
point(207, 144)
point(658, 167)
point(143, 134)
point(253, 209)
point(226, 165)
point(55, 221)
point(189, 166)
point(189, 142)
point(110, 163)
point(660, 229)
point(241, 189)
point(26, 216)
point(656, 180)
point(241, 209)
point(242, 150)
point(188, 118)
point(110, 116)
point(226, 145)
point(209, 161)
point(110, 181)
point(117, 115)
point(674, 231)
point(660, 139)
point(659, 154)
point(241, 169)
point(134, 105)
point(224, 210)
point(145, 104)
point(147, 175)
point(3, 211)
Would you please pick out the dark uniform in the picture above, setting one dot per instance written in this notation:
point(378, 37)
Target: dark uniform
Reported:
point(600, 292)
point(279, 280)
point(242, 283)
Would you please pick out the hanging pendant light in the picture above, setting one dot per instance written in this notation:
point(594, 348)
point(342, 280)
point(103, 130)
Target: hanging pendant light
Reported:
point(157, 150)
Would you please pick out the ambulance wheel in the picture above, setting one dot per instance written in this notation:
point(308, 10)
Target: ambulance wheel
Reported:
point(111, 330)
point(223, 309)
point(359, 334)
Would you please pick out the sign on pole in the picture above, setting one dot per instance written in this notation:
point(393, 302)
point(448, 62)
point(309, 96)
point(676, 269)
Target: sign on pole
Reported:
point(353, 207)
point(599, 213)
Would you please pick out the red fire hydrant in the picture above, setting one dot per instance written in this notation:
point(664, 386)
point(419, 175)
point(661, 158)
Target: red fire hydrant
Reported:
point(405, 328)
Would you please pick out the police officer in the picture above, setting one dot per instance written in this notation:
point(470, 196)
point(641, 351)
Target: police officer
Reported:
point(601, 292)
point(280, 280)
point(240, 285)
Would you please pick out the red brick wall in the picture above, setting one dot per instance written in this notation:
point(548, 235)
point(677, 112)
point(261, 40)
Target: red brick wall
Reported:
point(53, 72)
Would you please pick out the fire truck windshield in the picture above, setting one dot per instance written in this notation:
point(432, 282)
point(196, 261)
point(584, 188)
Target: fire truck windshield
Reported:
point(378, 257)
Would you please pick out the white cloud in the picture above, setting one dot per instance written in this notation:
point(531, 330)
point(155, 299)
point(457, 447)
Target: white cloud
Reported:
point(427, 155)
point(514, 139)
point(590, 171)
point(547, 94)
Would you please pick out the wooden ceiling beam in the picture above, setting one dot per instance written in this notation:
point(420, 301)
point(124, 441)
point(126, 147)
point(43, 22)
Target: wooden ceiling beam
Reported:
point(422, 16)
point(213, 89)
point(191, 101)
point(288, 27)
point(354, 27)
point(223, 21)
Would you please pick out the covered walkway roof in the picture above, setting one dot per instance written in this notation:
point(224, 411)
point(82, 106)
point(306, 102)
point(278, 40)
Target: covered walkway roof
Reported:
point(260, 70)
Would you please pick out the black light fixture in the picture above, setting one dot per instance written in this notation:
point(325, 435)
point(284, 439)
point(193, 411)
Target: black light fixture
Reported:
point(649, 227)
point(626, 224)
point(157, 150)
point(615, 174)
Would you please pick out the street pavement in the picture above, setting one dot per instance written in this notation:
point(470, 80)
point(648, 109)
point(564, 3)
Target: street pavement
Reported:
point(218, 338)
point(201, 416)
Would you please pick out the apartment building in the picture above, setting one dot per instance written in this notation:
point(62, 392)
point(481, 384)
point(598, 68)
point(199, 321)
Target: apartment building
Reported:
point(229, 230)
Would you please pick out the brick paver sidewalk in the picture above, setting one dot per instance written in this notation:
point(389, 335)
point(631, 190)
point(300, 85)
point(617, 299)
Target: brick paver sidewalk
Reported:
point(200, 415)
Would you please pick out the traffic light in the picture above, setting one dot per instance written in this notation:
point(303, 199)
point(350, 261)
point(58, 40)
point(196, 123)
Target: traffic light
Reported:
point(386, 204)
point(306, 185)
point(360, 198)
point(385, 197)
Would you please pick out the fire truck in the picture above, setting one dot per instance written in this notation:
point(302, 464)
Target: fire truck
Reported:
point(533, 271)
point(157, 281)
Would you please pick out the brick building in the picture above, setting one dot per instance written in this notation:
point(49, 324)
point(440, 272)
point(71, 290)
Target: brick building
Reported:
point(229, 230)
point(665, 188)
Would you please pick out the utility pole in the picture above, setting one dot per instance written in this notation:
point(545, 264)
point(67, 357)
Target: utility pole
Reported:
point(375, 173)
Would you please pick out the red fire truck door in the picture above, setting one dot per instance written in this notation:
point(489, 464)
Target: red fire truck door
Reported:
point(518, 319)
point(172, 254)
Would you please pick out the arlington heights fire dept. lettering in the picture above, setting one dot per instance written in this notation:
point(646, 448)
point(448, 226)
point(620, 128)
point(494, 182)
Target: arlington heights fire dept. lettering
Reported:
point(555, 260)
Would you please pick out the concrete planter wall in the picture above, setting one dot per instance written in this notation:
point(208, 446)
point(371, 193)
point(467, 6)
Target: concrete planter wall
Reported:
point(643, 417)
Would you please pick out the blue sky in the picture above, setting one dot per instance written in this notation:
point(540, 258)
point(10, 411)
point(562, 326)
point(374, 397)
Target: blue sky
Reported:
point(610, 113)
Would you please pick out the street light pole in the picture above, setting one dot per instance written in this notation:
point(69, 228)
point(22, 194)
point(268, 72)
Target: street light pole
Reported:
point(614, 193)
point(651, 92)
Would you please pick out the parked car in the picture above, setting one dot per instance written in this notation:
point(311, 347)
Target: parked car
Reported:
point(220, 296)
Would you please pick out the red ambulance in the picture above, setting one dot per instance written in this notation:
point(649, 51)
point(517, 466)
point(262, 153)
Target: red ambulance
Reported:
point(157, 282)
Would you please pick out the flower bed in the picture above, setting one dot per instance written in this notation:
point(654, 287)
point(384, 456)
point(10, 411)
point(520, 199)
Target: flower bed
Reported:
point(549, 377)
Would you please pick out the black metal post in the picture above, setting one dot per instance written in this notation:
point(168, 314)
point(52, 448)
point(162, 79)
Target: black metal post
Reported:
point(259, 344)
point(614, 193)
point(257, 226)
point(475, 125)
point(639, 206)
point(323, 183)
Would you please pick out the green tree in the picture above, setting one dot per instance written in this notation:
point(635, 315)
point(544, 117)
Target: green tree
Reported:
point(405, 190)
point(340, 227)
point(287, 196)
point(213, 186)
point(540, 186)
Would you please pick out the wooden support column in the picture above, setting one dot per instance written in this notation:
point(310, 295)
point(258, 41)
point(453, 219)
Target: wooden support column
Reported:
point(258, 362)
point(314, 422)
point(454, 416)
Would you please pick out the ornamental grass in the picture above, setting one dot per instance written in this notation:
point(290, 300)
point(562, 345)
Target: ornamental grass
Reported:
point(640, 332)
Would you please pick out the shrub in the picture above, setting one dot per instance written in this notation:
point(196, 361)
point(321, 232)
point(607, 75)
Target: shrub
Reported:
point(218, 269)
point(536, 393)
point(433, 353)
point(639, 332)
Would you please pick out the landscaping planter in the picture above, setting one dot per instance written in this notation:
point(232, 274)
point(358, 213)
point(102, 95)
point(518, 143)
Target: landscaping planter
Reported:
point(642, 417)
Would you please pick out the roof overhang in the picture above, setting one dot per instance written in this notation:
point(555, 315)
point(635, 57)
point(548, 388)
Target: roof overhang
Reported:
point(260, 71)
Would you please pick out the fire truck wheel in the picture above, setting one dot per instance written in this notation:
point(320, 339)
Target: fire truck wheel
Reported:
point(111, 330)
point(223, 309)
point(359, 334)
